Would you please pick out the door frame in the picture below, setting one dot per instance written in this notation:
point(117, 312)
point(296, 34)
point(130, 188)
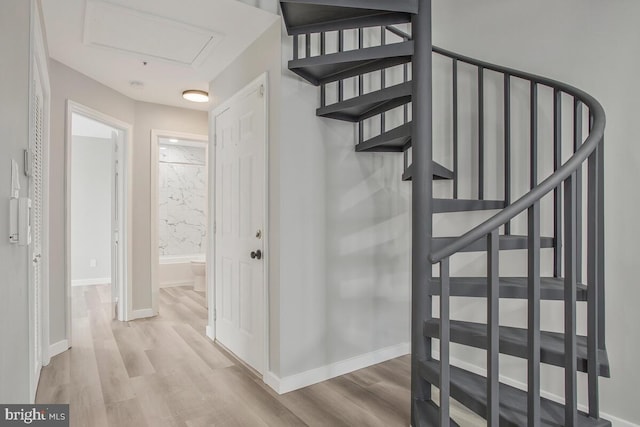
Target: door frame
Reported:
point(125, 294)
point(263, 80)
point(156, 134)
point(39, 62)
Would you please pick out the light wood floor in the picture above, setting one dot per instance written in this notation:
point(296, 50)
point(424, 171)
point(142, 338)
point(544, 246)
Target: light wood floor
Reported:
point(165, 372)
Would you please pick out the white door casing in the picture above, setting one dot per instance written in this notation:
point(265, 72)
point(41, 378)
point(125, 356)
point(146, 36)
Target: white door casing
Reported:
point(116, 229)
point(125, 214)
point(240, 150)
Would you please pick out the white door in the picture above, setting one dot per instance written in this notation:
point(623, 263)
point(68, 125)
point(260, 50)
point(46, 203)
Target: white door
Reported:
point(116, 225)
point(240, 217)
point(36, 185)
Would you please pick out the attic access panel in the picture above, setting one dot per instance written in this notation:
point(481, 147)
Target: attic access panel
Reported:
point(145, 35)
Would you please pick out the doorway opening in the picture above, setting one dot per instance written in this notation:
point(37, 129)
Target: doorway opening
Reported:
point(179, 207)
point(97, 214)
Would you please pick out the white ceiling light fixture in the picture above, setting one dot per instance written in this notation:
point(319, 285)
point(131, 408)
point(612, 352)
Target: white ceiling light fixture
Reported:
point(196, 95)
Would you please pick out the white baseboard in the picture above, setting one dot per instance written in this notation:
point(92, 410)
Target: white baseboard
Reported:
point(616, 421)
point(91, 282)
point(175, 284)
point(58, 348)
point(142, 314)
point(210, 333)
point(324, 373)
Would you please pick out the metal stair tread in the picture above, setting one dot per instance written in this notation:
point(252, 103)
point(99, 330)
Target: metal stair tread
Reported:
point(471, 390)
point(341, 65)
point(551, 288)
point(428, 414)
point(439, 173)
point(309, 16)
point(368, 105)
point(513, 341)
point(466, 205)
point(510, 242)
point(392, 141)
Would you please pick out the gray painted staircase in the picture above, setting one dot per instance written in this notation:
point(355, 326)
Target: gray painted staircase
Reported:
point(309, 21)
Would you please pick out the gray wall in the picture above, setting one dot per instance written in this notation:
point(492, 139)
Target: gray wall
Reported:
point(91, 208)
point(14, 134)
point(340, 236)
point(69, 84)
point(592, 45)
point(263, 56)
point(148, 117)
point(345, 237)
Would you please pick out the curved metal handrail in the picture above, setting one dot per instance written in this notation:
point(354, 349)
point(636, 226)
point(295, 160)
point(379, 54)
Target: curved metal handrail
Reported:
point(596, 136)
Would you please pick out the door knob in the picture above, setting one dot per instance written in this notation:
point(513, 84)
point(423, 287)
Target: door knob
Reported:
point(256, 255)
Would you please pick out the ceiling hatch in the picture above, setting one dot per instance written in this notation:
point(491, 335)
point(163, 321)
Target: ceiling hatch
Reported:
point(147, 36)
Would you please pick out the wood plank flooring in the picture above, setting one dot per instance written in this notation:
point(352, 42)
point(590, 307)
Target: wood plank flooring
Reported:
point(165, 372)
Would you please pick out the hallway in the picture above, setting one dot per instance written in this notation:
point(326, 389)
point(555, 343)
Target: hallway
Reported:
point(165, 372)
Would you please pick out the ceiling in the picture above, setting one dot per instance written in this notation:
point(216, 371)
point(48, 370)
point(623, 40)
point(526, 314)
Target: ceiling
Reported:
point(152, 50)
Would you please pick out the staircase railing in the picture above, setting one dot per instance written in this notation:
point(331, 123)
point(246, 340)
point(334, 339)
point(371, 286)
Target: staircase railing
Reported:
point(564, 184)
point(567, 177)
point(306, 44)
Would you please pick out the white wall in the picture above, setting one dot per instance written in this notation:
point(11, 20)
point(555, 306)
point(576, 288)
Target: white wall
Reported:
point(340, 267)
point(69, 84)
point(591, 45)
point(91, 210)
point(14, 134)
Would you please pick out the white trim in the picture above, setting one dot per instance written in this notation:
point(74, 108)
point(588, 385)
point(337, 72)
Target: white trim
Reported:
point(141, 314)
point(182, 259)
point(263, 80)
point(324, 373)
point(126, 292)
point(175, 284)
point(616, 421)
point(211, 333)
point(91, 282)
point(156, 260)
point(58, 348)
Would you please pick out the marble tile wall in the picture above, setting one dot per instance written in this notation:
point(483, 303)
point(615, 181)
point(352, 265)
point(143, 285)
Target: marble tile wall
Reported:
point(183, 201)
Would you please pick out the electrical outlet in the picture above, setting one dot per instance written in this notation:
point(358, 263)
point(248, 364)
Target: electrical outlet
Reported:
point(93, 263)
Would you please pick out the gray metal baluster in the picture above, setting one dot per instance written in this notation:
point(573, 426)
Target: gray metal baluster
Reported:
point(601, 254)
point(445, 368)
point(570, 289)
point(361, 83)
point(307, 47)
point(340, 49)
point(557, 192)
point(534, 135)
point(323, 51)
point(493, 329)
point(507, 146)
point(456, 184)
point(406, 79)
point(594, 224)
point(533, 370)
point(296, 46)
point(480, 133)
point(577, 142)
point(383, 80)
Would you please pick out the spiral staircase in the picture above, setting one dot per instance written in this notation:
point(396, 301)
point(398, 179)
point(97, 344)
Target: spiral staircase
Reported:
point(321, 56)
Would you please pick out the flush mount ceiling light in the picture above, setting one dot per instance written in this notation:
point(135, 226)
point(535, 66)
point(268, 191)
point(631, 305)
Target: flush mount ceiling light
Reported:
point(195, 95)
